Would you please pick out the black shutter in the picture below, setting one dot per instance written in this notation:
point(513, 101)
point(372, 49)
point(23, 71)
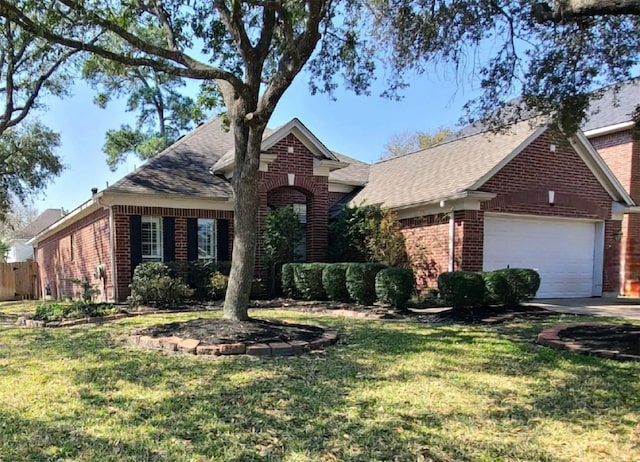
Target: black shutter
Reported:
point(222, 238)
point(169, 239)
point(192, 239)
point(135, 240)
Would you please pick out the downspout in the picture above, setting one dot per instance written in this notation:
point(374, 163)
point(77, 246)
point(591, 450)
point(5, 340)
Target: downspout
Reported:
point(112, 248)
point(452, 240)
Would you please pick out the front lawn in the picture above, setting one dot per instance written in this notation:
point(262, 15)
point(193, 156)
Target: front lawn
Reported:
point(391, 391)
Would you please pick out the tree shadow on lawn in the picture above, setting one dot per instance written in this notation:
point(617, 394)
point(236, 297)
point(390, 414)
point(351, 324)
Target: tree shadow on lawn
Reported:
point(309, 407)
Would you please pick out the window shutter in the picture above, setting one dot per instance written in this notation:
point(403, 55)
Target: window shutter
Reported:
point(168, 239)
point(222, 237)
point(192, 239)
point(135, 240)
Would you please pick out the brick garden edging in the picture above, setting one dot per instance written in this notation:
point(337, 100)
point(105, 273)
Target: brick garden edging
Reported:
point(551, 338)
point(23, 321)
point(195, 347)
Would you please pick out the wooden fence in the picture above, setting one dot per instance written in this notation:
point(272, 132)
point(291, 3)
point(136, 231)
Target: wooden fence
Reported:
point(19, 281)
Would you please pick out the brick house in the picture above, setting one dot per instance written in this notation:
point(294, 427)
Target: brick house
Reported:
point(610, 129)
point(528, 197)
point(178, 207)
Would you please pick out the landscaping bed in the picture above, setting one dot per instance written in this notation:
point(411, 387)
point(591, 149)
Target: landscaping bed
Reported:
point(621, 342)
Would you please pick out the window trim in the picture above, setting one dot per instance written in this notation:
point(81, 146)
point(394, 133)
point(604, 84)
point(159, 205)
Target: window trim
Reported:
point(159, 244)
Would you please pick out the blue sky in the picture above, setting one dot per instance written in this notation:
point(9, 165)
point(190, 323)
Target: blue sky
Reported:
point(358, 126)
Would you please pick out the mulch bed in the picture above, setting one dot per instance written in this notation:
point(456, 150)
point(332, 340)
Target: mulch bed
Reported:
point(484, 315)
point(623, 338)
point(222, 331)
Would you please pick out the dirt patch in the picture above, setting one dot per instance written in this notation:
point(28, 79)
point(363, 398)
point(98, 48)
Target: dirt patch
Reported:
point(221, 331)
point(622, 338)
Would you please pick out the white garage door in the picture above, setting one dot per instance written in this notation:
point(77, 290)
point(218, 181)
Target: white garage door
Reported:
point(562, 251)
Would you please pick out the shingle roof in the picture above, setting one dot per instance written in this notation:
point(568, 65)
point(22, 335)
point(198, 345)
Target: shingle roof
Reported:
point(614, 107)
point(355, 174)
point(183, 168)
point(441, 171)
point(42, 221)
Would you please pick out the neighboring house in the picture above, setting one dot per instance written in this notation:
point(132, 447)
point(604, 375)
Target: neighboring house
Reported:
point(19, 249)
point(179, 207)
point(610, 130)
point(525, 198)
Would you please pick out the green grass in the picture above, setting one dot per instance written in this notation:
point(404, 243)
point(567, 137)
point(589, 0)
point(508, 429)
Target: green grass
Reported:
point(389, 391)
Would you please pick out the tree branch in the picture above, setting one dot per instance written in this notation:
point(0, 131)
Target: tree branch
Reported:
point(193, 68)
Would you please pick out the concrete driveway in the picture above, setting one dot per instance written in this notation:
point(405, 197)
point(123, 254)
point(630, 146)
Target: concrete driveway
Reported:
point(605, 306)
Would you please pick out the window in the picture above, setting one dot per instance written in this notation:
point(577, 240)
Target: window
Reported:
point(151, 239)
point(301, 210)
point(206, 239)
point(300, 247)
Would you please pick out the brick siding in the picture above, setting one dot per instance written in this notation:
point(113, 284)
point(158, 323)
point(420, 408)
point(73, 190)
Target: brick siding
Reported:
point(121, 216)
point(74, 253)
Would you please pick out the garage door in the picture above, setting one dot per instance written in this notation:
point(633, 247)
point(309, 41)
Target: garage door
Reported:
point(562, 251)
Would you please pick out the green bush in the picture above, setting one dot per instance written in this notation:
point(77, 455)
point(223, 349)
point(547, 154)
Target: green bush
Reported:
point(152, 284)
point(53, 311)
point(394, 286)
point(523, 283)
point(197, 274)
point(361, 281)
point(334, 281)
point(308, 280)
point(288, 282)
point(49, 311)
point(218, 284)
point(498, 289)
point(462, 289)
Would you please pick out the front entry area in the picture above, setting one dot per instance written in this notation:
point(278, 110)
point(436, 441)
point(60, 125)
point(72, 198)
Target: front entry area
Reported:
point(567, 253)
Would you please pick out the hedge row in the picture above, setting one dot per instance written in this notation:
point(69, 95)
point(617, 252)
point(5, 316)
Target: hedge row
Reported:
point(509, 287)
point(362, 283)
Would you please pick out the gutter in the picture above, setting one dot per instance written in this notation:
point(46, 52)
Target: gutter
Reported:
point(609, 129)
point(112, 247)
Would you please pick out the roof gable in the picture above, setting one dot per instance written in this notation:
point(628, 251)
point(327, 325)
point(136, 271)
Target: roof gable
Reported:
point(456, 168)
point(444, 170)
point(272, 137)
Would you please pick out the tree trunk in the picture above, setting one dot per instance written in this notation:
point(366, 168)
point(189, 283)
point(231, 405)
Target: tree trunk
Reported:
point(248, 139)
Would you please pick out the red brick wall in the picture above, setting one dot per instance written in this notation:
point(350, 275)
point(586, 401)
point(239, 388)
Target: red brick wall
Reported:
point(427, 242)
point(74, 253)
point(275, 189)
point(122, 245)
point(622, 155)
point(617, 150)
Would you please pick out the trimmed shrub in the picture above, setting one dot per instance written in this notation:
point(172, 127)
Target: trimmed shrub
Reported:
point(218, 284)
point(462, 289)
point(498, 288)
point(288, 283)
point(394, 286)
point(307, 278)
point(334, 281)
point(524, 283)
point(361, 281)
point(152, 284)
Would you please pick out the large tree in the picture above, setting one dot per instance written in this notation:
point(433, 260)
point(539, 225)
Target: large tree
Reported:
point(30, 68)
point(406, 142)
point(249, 50)
point(552, 54)
point(163, 112)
